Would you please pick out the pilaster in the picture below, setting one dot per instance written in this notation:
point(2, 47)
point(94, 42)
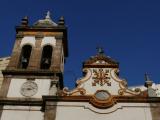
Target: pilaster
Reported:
point(35, 57)
point(50, 111)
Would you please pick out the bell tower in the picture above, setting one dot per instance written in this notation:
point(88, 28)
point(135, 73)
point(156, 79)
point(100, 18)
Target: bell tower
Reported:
point(37, 61)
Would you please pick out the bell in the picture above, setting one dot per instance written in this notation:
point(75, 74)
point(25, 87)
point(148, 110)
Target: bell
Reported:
point(24, 63)
point(46, 61)
point(24, 60)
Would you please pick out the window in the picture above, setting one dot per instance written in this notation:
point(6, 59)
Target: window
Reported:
point(25, 56)
point(46, 57)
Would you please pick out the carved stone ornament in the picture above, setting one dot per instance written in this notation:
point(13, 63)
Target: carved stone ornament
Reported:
point(83, 87)
point(101, 77)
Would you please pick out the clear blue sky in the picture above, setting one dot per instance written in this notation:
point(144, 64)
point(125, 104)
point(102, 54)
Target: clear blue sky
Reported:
point(128, 30)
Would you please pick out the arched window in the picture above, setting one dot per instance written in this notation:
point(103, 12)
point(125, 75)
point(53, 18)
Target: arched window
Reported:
point(25, 56)
point(46, 57)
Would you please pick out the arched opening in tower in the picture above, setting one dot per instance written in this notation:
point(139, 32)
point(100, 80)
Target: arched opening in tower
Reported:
point(46, 57)
point(25, 56)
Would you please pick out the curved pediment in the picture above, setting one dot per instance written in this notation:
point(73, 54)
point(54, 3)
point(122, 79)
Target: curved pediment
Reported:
point(100, 60)
point(101, 79)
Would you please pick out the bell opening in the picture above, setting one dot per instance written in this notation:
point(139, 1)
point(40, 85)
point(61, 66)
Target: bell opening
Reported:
point(46, 57)
point(25, 56)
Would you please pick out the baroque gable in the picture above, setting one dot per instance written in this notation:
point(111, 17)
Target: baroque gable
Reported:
point(104, 79)
point(102, 74)
point(103, 87)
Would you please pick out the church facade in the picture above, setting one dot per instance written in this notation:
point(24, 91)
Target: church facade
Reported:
point(32, 81)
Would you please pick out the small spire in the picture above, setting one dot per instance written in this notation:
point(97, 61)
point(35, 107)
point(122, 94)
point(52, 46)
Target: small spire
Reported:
point(148, 81)
point(25, 17)
point(24, 21)
point(62, 18)
point(100, 50)
point(46, 22)
point(61, 21)
point(48, 15)
point(146, 77)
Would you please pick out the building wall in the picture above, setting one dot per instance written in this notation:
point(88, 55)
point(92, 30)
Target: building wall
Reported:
point(82, 111)
point(85, 111)
point(3, 64)
point(16, 84)
point(21, 113)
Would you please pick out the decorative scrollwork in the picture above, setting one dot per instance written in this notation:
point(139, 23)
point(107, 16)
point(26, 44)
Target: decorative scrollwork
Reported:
point(121, 92)
point(81, 91)
point(123, 85)
point(101, 77)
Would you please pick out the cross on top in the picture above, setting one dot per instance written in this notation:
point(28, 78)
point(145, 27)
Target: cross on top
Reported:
point(100, 50)
point(48, 15)
point(147, 77)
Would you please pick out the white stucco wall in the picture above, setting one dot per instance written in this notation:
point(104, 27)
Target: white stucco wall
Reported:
point(81, 111)
point(84, 111)
point(15, 87)
point(48, 40)
point(22, 113)
point(28, 40)
point(3, 64)
point(90, 89)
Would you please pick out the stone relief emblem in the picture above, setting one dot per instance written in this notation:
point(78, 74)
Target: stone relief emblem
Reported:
point(101, 77)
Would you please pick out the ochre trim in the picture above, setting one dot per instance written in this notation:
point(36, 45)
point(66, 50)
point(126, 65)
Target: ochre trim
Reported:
point(102, 104)
point(29, 72)
point(100, 66)
point(106, 103)
point(22, 101)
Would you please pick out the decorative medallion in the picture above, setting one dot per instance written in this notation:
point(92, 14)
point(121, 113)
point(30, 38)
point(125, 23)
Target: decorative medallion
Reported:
point(101, 77)
point(29, 89)
point(102, 95)
point(102, 99)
